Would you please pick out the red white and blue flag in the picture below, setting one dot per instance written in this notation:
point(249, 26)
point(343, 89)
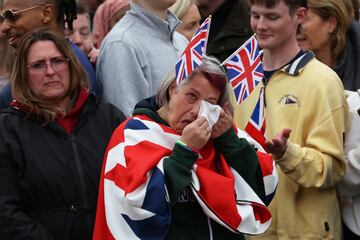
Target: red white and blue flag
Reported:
point(256, 126)
point(193, 54)
point(244, 69)
point(134, 204)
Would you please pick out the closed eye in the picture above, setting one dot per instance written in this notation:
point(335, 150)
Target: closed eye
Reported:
point(213, 102)
point(273, 17)
point(85, 31)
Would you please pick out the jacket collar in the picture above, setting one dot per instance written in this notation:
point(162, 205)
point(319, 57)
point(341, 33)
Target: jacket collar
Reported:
point(297, 64)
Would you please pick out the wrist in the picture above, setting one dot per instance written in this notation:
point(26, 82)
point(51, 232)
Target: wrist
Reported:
point(183, 144)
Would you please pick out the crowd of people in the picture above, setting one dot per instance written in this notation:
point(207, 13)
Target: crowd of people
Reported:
point(98, 139)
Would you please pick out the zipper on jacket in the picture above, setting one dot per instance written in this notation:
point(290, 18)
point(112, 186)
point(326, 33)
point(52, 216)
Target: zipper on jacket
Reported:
point(210, 229)
point(80, 172)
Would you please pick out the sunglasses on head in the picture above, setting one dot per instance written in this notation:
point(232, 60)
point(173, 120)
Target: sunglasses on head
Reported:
point(13, 15)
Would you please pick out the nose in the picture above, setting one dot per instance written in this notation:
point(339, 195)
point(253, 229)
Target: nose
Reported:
point(261, 23)
point(195, 108)
point(76, 38)
point(49, 69)
point(5, 26)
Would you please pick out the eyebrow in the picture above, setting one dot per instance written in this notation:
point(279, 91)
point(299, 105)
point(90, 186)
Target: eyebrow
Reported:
point(207, 99)
point(266, 13)
point(195, 90)
point(43, 59)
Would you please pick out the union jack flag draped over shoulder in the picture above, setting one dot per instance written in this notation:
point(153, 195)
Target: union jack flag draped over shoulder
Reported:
point(134, 204)
point(244, 69)
point(193, 54)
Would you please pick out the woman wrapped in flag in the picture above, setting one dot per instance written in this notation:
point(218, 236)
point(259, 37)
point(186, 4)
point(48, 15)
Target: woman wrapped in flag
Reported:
point(178, 169)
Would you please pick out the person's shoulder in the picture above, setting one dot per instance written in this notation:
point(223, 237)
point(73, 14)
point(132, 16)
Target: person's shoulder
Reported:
point(315, 69)
point(316, 65)
point(110, 108)
point(322, 80)
point(10, 118)
point(354, 28)
point(121, 37)
point(306, 67)
point(105, 107)
point(5, 114)
point(126, 30)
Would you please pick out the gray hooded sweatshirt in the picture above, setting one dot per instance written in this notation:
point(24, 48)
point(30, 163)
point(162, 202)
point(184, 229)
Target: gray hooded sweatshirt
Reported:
point(136, 55)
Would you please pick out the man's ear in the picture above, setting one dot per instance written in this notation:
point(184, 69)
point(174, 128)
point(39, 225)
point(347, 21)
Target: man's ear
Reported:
point(48, 13)
point(300, 15)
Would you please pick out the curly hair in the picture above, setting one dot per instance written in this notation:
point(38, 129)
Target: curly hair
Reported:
point(65, 10)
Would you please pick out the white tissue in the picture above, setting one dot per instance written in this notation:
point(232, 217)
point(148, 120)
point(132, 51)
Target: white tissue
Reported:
point(209, 111)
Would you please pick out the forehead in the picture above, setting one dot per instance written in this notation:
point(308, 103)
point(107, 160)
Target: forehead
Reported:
point(196, 80)
point(42, 49)
point(18, 4)
point(192, 13)
point(82, 20)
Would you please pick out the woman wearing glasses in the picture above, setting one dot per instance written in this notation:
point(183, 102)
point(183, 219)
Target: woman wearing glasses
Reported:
point(52, 141)
point(19, 17)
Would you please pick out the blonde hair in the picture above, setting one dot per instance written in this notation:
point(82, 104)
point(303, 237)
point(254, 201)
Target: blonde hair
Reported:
point(180, 7)
point(342, 10)
point(20, 87)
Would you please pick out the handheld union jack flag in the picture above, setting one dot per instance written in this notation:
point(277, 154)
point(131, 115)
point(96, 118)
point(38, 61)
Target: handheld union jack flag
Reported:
point(193, 54)
point(244, 69)
point(256, 125)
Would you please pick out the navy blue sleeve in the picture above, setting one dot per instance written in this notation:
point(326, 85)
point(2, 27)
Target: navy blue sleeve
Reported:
point(5, 96)
point(88, 68)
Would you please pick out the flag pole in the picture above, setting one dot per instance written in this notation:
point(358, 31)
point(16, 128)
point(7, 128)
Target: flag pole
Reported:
point(207, 34)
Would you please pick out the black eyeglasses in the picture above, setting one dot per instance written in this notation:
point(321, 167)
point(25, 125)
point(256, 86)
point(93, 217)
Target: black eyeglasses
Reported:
point(13, 15)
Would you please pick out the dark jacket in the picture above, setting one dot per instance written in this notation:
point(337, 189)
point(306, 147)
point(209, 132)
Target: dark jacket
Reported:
point(348, 65)
point(49, 179)
point(230, 28)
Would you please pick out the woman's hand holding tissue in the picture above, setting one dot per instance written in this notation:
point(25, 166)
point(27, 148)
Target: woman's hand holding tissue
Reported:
point(196, 134)
point(224, 123)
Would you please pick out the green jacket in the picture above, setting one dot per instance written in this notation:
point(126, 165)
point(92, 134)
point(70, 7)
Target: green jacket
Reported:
point(188, 221)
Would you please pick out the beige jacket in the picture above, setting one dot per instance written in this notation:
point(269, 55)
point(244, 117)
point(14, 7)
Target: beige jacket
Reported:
point(307, 97)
